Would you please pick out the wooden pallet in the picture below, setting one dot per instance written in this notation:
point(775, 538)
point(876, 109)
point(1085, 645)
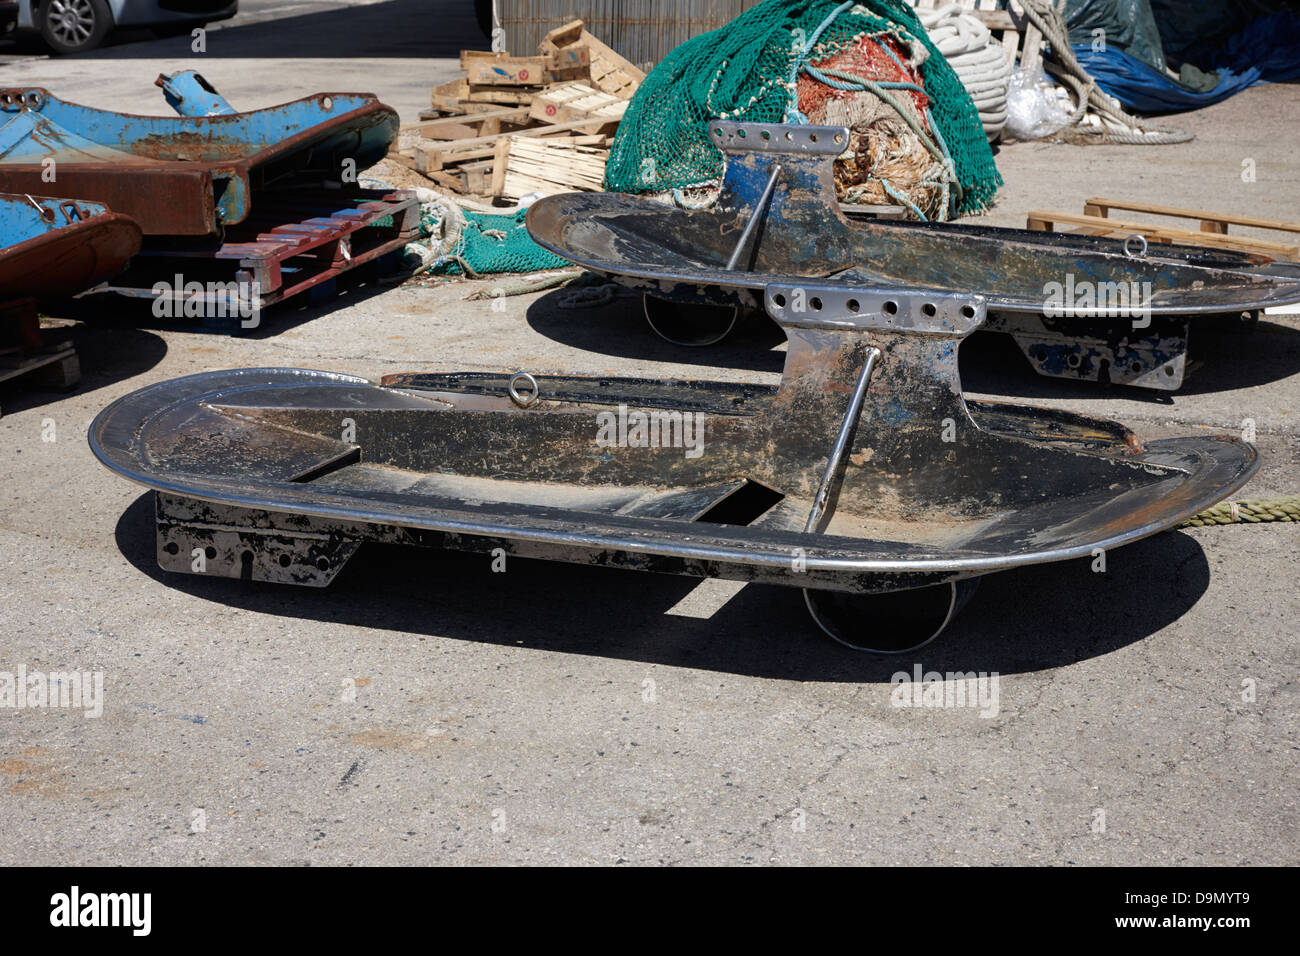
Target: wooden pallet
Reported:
point(432, 156)
point(27, 355)
point(606, 70)
point(568, 102)
point(1213, 227)
point(500, 69)
point(547, 166)
point(289, 244)
point(573, 94)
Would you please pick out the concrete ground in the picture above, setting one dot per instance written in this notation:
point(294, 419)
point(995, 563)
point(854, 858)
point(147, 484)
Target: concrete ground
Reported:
point(426, 710)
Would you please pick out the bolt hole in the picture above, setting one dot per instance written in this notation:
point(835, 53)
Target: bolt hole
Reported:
point(789, 135)
point(839, 137)
point(285, 560)
point(779, 299)
point(210, 551)
point(813, 137)
point(1136, 367)
point(929, 310)
point(1072, 361)
point(323, 564)
point(853, 305)
point(815, 303)
point(740, 133)
point(767, 135)
point(171, 547)
point(246, 557)
point(1169, 370)
point(968, 311)
point(890, 308)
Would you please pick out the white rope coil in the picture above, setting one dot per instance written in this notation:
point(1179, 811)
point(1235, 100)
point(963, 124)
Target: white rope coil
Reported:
point(978, 60)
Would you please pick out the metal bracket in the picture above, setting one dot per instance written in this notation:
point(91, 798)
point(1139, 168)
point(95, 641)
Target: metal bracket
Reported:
point(1154, 358)
point(853, 308)
point(198, 537)
point(778, 138)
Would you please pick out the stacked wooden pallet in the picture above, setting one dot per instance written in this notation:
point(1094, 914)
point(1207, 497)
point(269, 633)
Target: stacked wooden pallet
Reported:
point(513, 125)
point(1213, 232)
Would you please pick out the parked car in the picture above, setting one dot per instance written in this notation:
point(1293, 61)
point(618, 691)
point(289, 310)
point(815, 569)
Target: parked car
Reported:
point(75, 26)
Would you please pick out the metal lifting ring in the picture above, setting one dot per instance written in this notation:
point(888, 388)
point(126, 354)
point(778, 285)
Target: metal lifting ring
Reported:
point(1129, 252)
point(524, 401)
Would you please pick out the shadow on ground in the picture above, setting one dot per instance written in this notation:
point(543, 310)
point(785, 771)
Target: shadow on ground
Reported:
point(1027, 620)
point(112, 311)
point(620, 329)
point(107, 355)
point(1222, 359)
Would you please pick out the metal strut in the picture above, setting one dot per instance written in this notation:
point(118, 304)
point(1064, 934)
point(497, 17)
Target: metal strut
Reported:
point(831, 477)
point(759, 210)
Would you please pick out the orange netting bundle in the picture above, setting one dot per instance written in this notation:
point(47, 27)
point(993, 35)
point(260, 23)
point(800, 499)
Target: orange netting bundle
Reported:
point(888, 161)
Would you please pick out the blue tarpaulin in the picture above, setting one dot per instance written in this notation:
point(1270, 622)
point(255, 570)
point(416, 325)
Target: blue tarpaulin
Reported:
point(1145, 90)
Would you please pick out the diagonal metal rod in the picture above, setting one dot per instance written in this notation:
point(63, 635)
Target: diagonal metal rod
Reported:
point(754, 219)
point(831, 478)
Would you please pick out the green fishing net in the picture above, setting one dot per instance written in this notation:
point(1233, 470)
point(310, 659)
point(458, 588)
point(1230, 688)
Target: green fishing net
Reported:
point(483, 244)
point(742, 71)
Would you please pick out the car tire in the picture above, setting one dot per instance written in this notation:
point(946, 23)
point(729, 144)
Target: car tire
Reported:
point(74, 26)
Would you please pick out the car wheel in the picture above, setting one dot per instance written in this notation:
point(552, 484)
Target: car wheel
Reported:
point(74, 26)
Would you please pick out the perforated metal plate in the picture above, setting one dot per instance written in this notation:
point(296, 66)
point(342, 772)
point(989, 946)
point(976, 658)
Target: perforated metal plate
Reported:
point(822, 306)
point(778, 138)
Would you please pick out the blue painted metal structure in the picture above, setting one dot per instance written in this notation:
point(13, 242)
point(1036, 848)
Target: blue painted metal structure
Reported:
point(51, 247)
point(188, 175)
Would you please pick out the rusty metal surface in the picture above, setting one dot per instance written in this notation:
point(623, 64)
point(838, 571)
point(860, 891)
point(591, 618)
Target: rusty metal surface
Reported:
point(186, 176)
point(293, 241)
point(278, 474)
point(804, 233)
point(57, 247)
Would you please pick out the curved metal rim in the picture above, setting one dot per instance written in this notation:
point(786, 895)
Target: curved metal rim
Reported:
point(644, 539)
point(947, 619)
point(754, 281)
point(645, 309)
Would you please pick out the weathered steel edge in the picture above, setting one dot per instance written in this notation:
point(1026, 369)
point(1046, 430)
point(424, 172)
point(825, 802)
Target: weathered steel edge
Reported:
point(656, 537)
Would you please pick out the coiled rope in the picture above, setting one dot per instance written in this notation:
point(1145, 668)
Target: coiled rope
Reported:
point(1097, 116)
point(978, 60)
point(1254, 511)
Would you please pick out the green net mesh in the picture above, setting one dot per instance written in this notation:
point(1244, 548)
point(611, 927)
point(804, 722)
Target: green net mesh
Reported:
point(742, 72)
point(487, 244)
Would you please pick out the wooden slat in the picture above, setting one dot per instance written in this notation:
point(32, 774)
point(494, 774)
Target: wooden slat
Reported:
point(1045, 220)
point(524, 165)
point(480, 147)
point(501, 69)
point(1100, 207)
point(509, 113)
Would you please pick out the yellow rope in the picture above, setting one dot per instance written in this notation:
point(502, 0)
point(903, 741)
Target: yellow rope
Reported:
point(1253, 512)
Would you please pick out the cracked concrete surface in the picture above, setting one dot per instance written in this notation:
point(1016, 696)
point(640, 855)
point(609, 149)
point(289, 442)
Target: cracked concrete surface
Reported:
point(425, 709)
